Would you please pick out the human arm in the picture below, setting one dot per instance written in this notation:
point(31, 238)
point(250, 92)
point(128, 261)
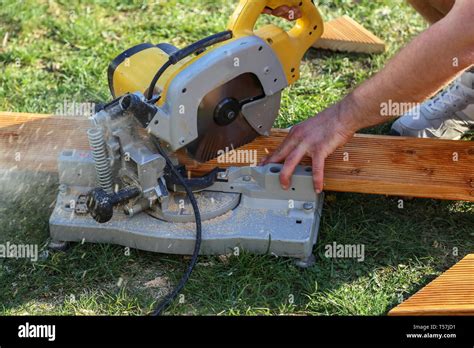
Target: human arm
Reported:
point(430, 61)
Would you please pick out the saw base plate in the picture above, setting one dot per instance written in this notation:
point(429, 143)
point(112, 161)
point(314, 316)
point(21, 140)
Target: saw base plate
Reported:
point(261, 231)
point(211, 205)
point(252, 212)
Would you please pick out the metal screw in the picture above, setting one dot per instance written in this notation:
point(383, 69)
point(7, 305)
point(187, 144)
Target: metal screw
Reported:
point(230, 115)
point(62, 188)
point(247, 178)
point(222, 175)
point(128, 210)
point(308, 206)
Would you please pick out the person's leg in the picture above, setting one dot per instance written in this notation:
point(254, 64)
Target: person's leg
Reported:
point(450, 113)
point(432, 10)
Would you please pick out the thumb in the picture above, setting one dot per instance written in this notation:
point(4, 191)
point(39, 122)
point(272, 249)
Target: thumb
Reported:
point(318, 172)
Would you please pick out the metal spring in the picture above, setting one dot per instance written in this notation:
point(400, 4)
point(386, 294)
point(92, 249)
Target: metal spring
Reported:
point(102, 163)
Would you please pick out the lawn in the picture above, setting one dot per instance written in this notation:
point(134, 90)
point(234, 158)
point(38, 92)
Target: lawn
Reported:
point(60, 50)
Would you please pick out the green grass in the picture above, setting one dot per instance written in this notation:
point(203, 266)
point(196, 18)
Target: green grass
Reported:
point(60, 51)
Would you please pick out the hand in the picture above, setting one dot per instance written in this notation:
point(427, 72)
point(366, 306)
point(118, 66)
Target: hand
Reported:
point(318, 137)
point(287, 12)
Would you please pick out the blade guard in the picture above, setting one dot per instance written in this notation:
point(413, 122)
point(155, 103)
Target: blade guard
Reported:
point(290, 46)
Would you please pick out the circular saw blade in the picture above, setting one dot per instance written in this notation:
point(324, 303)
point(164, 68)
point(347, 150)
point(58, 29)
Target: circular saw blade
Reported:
point(212, 137)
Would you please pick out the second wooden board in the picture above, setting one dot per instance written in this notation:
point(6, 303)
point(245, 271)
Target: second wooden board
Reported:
point(450, 294)
point(345, 34)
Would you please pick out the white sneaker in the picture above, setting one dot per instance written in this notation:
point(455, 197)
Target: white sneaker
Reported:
point(448, 115)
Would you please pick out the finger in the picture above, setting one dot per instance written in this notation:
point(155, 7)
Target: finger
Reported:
point(263, 161)
point(281, 11)
point(298, 13)
point(318, 173)
point(293, 13)
point(283, 150)
point(292, 160)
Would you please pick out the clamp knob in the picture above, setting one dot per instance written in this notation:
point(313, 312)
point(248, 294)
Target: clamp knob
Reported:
point(101, 204)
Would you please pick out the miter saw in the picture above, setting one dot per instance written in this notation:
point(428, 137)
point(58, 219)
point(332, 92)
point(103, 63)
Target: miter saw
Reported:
point(216, 94)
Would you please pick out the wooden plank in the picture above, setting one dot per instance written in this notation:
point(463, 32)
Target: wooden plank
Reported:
point(450, 294)
point(346, 35)
point(367, 164)
point(33, 141)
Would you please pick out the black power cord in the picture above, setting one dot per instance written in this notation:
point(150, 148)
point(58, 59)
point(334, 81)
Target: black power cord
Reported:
point(170, 297)
point(177, 56)
point(156, 78)
point(174, 58)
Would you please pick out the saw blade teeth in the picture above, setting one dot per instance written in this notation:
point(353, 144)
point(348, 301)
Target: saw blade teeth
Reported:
point(208, 149)
point(213, 137)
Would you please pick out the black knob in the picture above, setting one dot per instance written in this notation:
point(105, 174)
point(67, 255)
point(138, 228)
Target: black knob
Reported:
point(226, 111)
point(101, 204)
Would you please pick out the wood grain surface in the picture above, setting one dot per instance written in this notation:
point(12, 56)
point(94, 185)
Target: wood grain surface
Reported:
point(452, 293)
point(430, 168)
point(346, 35)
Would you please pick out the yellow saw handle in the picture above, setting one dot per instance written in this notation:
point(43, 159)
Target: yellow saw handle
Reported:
point(290, 46)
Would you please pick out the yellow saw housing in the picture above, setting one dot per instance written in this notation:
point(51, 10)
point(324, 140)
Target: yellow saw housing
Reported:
point(133, 70)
